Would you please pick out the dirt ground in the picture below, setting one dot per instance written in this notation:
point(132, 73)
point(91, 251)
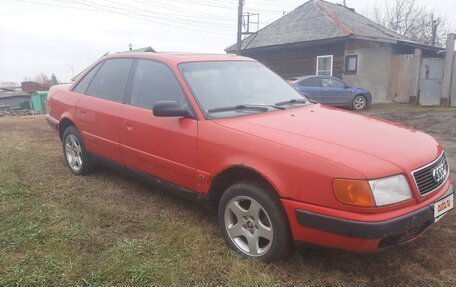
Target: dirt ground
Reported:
point(438, 122)
point(108, 229)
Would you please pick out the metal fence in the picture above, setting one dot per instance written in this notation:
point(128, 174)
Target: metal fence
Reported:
point(431, 81)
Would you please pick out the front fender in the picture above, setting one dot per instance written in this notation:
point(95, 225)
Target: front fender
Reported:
point(294, 174)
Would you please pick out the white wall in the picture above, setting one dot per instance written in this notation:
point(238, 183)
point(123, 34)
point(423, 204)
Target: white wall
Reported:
point(374, 60)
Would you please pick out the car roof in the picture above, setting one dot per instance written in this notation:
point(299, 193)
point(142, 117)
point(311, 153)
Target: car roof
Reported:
point(315, 76)
point(180, 57)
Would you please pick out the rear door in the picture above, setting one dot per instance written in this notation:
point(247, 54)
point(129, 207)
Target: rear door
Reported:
point(98, 111)
point(335, 92)
point(164, 147)
point(311, 87)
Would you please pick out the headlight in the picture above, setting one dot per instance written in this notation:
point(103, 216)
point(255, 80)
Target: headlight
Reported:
point(390, 190)
point(377, 192)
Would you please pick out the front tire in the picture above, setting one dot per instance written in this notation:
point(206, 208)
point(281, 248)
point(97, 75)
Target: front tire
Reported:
point(359, 103)
point(253, 222)
point(76, 156)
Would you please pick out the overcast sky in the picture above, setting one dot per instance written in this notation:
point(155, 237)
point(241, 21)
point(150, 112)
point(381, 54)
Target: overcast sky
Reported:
point(64, 36)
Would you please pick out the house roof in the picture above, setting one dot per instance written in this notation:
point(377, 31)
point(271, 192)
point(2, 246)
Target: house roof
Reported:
point(140, 50)
point(4, 95)
point(318, 20)
point(10, 89)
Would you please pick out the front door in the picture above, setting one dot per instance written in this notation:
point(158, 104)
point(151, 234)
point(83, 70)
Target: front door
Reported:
point(334, 92)
point(163, 147)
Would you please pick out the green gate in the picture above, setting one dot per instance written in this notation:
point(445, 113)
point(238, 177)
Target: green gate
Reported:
point(39, 101)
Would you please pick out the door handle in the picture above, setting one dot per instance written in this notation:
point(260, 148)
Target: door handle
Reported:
point(82, 112)
point(129, 127)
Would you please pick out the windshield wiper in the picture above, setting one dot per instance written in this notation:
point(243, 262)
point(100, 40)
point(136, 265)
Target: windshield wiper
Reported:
point(292, 101)
point(258, 107)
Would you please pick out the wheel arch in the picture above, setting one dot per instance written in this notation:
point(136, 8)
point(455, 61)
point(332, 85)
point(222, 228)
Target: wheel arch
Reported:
point(63, 125)
point(233, 174)
point(359, 94)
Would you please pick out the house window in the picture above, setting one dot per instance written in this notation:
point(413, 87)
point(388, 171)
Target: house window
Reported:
point(351, 64)
point(325, 65)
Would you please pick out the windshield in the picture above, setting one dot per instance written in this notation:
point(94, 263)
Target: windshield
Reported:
point(228, 89)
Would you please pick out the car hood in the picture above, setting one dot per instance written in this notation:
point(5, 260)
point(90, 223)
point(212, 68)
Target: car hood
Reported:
point(374, 147)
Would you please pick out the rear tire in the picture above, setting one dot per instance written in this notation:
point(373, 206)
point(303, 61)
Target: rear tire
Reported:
point(76, 156)
point(359, 103)
point(253, 222)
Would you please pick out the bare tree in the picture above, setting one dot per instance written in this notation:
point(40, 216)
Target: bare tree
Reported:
point(42, 78)
point(53, 80)
point(412, 20)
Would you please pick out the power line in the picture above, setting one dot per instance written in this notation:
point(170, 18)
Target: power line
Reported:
point(181, 12)
point(176, 8)
point(146, 13)
point(159, 13)
point(153, 14)
point(131, 15)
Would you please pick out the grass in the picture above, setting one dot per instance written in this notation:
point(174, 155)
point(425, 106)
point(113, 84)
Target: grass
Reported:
point(108, 229)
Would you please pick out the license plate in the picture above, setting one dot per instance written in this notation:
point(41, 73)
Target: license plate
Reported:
point(442, 206)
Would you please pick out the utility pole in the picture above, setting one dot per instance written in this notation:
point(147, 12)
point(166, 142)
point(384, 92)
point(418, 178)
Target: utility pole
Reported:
point(447, 70)
point(434, 24)
point(239, 27)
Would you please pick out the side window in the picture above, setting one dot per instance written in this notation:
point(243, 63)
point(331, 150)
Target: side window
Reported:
point(154, 82)
point(83, 84)
point(109, 83)
point(310, 82)
point(332, 83)
point(351, 64)
point(324, 65)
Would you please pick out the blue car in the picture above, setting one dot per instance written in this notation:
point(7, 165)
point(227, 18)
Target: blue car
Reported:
point(332, 91)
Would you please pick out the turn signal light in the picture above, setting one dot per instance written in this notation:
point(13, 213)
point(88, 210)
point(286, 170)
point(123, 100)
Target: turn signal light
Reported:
point(353, 192)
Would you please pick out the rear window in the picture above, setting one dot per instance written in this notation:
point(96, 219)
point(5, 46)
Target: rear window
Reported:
point(310, 82)
point(84, 83)
point(110, 80)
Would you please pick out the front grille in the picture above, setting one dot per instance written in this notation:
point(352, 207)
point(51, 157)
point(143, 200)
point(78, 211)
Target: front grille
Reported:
point(403, 237)
point(430, 177)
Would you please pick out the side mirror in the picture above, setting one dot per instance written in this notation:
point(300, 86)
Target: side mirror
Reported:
point(170, 109)
point(347, 86)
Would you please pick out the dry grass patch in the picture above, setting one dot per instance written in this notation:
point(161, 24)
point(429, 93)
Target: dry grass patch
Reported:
point(109, 229)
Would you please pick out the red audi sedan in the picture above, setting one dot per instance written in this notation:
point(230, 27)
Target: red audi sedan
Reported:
point(278, 168)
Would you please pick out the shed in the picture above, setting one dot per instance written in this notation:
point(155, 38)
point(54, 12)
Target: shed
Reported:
point(14, 100)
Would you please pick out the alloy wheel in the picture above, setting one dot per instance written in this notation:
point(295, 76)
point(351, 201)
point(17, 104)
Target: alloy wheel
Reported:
point(73, 152)
point(359, 103)
point(248, 226)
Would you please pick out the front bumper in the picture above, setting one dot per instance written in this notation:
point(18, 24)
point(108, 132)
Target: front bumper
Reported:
point(363, 236)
